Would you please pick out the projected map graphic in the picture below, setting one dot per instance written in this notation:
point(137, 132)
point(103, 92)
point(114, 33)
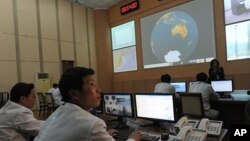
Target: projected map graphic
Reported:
point(125, 59)
point(174, 37)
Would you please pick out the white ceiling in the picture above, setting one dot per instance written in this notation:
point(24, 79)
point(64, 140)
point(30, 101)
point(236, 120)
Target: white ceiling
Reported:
point(97, 4)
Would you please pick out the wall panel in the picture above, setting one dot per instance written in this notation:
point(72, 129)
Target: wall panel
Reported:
point(7, 47)
point(27, 17)
point(50, 50)
point(28, 70)
point(65, 20)
point(48, 19)
point(67, 50)
point(53, 69)
point(8, 75)
point(29, 49)
point(6, 16)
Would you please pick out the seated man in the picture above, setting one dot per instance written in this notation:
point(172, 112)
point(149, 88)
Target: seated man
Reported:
point(206, 90)
point(57, 97)
point(164, 86)
point(54, 87)
point(17, 122)
point(72, 120)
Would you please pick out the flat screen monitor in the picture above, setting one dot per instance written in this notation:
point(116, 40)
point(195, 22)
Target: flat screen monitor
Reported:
point(192, 105)
point(179, 35)
point(180, 87)
point(190, 83)
point(118, 104)
point(155, 106)
point(222, 85)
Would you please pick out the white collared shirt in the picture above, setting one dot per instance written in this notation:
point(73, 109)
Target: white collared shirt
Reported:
point(17, 123)
point(71, 123)
point(164, 88)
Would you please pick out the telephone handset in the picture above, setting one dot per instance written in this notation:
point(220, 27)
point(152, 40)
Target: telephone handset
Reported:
point(183, 134)
point(204, 123)
point(213, 127)
point(182, 122)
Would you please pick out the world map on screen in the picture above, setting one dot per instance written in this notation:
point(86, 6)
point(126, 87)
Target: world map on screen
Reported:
point(174, 37)
point(125, 59)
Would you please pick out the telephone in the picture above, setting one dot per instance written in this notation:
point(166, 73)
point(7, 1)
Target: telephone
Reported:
point(184, 133)
point(181, 122)
point(184, 121)
point(204, 124)
point(213, 127)
point(187, 133)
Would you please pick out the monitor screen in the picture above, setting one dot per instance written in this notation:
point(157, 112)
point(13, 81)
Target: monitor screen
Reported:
point(192, 105)
point(179, 86)
point(222, 85)
point(179, 35)
point(118, 104)
point(155, 106)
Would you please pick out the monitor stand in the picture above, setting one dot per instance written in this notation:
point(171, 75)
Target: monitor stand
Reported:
point(119, 123)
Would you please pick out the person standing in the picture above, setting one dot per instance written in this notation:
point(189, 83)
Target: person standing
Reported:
point(216, 72)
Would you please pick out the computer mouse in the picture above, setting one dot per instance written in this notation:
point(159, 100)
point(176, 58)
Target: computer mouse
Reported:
point(164, 136)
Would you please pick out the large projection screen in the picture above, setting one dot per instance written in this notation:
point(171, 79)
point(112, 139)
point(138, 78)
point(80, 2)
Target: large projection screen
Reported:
point(124, 47)
point(237, 25)
point(180, 35)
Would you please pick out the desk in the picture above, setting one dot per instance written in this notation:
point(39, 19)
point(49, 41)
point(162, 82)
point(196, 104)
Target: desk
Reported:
point(156, 131)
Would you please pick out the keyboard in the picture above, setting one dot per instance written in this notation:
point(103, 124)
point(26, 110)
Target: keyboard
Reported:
point(146, 137)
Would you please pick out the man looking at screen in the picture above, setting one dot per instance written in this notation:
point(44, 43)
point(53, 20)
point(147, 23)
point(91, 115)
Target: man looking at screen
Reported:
point(206, 90)
point(164, 86)
point(72, 120)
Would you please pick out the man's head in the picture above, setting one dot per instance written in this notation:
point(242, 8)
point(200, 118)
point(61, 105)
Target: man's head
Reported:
point(55, 85)
point(166, 78)
point(77, 85)
point(23, 93)
point(201, 77)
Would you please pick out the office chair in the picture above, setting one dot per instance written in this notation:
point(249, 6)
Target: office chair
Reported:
point(50, 103)
point(192, 105)
point(42, 103)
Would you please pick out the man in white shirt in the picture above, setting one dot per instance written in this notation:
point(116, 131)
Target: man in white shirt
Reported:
point(17, 122)
point(72, 120)
point(164, 86)
point(206, 90)
point(54, 87)
point(57, 97)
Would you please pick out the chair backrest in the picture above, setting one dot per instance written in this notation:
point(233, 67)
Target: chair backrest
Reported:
point(49, 98)
point(41, 98)
point(4, 97)
point(192, 105)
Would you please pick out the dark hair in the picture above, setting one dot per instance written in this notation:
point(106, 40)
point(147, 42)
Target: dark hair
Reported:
point(213, 61)
point(72, 78)
point(201, 77)
point(55, 85)
point(166, 78)
point(20, 89)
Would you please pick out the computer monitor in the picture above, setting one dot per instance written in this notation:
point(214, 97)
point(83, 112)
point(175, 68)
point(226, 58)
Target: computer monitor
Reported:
point(192, 105)
point(222, 85)
point(190, 83)
point(118, 104)
point(180, 87)
point(155, 106)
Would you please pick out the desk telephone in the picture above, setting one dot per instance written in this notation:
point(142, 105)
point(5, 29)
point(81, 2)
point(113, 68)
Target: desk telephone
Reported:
point(189, 130)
